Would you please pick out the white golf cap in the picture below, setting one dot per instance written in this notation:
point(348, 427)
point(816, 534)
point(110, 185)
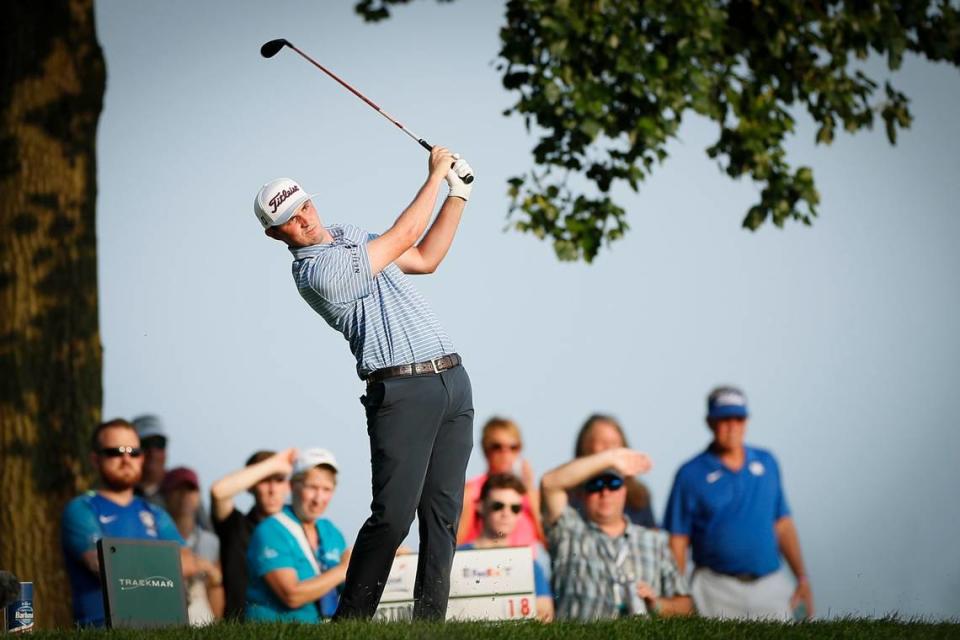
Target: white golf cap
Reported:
point(278, 200)
point(312, 458)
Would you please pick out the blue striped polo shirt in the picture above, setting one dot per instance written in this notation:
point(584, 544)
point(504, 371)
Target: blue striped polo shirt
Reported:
point(383, 317)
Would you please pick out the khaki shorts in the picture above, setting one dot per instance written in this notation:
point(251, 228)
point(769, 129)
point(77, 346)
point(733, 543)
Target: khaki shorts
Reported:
point(719, 596)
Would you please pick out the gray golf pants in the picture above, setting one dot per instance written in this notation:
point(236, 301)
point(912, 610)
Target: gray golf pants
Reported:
point(421, 434)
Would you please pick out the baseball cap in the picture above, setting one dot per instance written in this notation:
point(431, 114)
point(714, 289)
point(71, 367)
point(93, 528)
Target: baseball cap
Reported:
point(726, 402)
point(179, 477)
point(149, 426)
point(311, 458)
point(278, 200)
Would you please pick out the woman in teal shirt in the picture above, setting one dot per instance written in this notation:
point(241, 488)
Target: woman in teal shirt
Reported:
point(296, 559)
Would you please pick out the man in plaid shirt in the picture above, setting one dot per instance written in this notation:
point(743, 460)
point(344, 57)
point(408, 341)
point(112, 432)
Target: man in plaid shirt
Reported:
point(604, 566)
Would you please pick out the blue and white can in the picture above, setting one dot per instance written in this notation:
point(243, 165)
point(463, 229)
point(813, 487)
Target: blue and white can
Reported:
point(20, 611)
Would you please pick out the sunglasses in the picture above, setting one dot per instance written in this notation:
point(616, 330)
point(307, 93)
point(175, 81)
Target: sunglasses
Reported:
point(500, 446)
point(598, 484)
point(117, 452)
point(500, 506)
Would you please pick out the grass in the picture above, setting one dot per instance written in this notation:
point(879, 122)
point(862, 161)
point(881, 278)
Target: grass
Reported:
point(633, 629)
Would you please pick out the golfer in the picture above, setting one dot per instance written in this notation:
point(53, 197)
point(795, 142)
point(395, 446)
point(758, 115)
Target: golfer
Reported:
point(418, 399)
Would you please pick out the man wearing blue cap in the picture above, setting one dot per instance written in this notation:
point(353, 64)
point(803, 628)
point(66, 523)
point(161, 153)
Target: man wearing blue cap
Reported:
point(728, 506)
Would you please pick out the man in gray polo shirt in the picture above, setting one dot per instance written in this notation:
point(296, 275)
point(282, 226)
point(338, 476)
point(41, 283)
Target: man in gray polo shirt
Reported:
point(418, 401)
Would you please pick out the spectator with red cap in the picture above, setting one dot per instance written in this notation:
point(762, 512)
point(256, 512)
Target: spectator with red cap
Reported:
point(181, 493)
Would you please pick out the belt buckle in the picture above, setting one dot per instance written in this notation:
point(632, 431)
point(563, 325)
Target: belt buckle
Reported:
point(433, 361)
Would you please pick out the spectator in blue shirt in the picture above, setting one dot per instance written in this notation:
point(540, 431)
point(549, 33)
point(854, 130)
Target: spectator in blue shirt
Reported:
point(728, 506)
point(499, 506)
point(112, 510)
point(297, 560)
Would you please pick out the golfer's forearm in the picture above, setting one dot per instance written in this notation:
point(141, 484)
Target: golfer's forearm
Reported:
point(435, 245)
point(412, 222)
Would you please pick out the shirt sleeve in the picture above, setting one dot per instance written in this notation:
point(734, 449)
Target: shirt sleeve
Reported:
point(679, 516)
point(342, 274)
point(567, 525)
point(268, 550)
point(79, 528)
point(672, 582)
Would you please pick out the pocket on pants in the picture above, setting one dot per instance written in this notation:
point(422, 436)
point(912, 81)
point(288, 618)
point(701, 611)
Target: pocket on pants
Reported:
point(374, 398)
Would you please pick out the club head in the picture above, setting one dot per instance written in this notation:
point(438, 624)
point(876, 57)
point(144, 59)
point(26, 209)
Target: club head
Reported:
point(270, 49)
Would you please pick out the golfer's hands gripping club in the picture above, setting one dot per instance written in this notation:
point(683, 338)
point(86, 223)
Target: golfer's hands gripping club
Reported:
point(457, 178)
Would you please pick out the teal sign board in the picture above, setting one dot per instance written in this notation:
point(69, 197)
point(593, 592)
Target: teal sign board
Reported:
point(142, 584)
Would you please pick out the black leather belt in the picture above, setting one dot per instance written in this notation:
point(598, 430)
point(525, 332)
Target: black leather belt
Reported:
point(429, 367)
point(743, 577)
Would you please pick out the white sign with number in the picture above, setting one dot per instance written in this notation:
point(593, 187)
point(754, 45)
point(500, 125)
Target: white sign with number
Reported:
point(485, 584)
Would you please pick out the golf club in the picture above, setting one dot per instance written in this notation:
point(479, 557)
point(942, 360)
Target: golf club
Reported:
point(273, 47)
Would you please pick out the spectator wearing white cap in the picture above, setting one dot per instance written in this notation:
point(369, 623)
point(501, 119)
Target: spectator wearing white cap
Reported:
point(728, 506)
point(296, 559)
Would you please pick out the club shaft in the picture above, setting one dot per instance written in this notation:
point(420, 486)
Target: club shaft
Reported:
point(423, 143)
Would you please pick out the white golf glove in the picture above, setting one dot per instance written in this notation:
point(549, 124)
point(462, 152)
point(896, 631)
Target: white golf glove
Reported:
point(459, 188)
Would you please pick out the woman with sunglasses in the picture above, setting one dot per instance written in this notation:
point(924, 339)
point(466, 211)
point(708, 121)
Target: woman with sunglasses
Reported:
point(500, 507)
point(502, 444)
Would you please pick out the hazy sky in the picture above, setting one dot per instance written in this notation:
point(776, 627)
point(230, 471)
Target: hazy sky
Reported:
point(844, 335)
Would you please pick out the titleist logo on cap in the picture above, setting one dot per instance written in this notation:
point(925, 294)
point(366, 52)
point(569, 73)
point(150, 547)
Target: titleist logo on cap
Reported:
point(279, 199)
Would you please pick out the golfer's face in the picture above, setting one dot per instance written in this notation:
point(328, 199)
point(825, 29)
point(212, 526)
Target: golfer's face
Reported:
point(303, 229)
point(312, 493)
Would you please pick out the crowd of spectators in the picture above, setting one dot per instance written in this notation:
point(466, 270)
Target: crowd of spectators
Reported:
point(597, 549)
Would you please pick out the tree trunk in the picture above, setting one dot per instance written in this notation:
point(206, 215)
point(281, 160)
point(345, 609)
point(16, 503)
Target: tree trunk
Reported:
point(52, 79)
